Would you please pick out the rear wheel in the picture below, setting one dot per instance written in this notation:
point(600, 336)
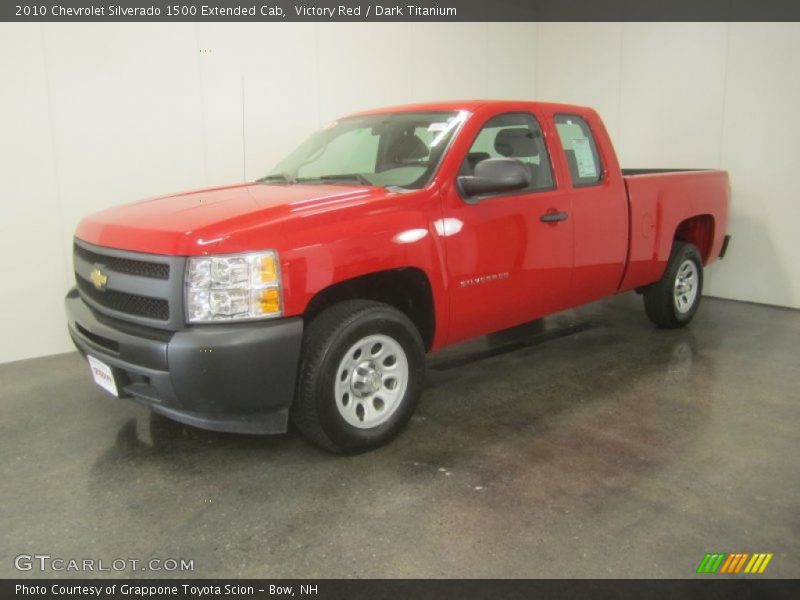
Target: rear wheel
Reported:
point(672, 301)
point(361, 376)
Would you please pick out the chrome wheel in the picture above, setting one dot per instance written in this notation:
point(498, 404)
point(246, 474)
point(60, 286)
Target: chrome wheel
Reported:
point(685, 289)
point(371, 381)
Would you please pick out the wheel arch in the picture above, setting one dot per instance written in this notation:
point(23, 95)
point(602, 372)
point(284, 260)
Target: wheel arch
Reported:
point(699, 231)
point(408, 289)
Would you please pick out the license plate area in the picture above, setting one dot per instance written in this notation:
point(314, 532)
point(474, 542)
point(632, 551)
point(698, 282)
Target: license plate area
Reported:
point(103, 375)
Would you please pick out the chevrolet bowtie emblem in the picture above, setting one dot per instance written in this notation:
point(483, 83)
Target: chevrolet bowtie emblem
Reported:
point(99, 279)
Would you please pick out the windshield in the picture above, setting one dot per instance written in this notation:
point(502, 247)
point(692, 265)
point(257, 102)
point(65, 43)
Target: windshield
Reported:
point(399, 149)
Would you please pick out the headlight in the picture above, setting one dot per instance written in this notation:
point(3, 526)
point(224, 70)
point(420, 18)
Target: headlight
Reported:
point(233, 287)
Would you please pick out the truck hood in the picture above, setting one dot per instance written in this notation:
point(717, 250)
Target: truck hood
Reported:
point(198, 222)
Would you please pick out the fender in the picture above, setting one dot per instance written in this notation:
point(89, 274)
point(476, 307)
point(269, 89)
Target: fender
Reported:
point(397, 231)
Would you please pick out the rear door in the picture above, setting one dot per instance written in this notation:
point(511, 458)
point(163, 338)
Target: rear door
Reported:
point(509, 255)
point(599, 206)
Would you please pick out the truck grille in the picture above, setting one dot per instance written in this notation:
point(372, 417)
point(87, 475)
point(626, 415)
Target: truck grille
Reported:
point(131, 304)
point(125, 265)
point(146, 289)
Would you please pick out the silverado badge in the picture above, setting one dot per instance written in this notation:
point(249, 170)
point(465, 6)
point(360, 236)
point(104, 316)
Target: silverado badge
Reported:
point(99, 279)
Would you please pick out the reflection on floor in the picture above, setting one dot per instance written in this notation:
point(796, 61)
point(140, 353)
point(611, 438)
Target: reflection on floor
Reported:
point(587, 445)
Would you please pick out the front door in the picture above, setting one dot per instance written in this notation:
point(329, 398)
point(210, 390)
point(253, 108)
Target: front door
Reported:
point(509, 255)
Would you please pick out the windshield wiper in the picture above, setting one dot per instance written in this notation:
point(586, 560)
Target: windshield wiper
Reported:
point(277, 177)
point(337, 177)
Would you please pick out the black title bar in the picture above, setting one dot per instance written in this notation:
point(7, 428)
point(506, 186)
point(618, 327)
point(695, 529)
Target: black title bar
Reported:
point(402, 10)
point(707, 588)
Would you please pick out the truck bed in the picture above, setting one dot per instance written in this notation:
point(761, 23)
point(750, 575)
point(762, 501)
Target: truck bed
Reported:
point(658, 202)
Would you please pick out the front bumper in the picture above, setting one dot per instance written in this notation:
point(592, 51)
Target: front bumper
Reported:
point(236, 378)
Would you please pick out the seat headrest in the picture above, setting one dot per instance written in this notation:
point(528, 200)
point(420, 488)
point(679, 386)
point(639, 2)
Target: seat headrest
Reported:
point(408, 148)
point(516, 142)
point(473, 158)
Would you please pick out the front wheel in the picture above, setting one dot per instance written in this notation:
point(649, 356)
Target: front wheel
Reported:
point(361, 376)
point(672, 301)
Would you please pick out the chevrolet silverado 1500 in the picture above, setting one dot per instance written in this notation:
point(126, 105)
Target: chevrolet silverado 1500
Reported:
point(313, 293)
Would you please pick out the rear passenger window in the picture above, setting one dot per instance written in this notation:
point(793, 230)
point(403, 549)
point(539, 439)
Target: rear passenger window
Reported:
point(577, 140)
point(517, 136)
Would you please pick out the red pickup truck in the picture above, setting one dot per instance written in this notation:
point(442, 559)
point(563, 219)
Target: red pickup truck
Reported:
point(315, 292)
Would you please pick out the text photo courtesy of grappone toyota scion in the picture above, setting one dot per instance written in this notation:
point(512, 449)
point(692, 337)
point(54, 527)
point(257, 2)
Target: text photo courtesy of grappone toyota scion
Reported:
point(314, 293)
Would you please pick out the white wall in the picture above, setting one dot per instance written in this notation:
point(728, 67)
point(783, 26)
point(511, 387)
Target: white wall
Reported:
point(93, 115)
point(700, 95)
point(96, 115)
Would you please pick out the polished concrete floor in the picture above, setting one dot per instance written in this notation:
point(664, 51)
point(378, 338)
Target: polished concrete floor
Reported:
point(591, 445)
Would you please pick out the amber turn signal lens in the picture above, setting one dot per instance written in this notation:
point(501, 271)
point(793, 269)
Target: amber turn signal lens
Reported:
point(268, 269)
point(270, 301)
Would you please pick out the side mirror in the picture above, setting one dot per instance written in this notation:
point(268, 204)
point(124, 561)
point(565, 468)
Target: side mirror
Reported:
point(495, 175)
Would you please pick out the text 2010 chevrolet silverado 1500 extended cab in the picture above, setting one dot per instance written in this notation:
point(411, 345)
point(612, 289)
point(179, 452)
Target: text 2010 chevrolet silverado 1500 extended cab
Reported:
point(315, 292)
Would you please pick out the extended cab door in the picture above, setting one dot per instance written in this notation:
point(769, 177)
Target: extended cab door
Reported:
point(509, 254)
point(599, 205)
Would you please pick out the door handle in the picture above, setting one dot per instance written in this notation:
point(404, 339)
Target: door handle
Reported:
point(554, 217)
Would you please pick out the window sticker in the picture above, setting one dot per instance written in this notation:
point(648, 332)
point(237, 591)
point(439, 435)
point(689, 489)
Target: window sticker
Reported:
point(584, 157)
point(437, 126)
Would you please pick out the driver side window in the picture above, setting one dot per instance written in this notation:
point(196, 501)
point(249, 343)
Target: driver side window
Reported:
point(517, 136)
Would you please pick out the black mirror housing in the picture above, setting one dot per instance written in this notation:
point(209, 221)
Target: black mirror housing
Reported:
point(495, 175)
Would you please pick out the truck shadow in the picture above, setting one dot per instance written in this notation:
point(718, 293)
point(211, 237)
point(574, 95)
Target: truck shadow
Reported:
point(510, 387)
point(151, 434)
point(545, 426)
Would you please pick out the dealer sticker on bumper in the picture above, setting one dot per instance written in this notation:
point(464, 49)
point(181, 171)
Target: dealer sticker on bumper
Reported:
point(102, 375)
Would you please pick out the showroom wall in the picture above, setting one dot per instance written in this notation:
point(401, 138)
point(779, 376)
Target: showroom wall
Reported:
point(96, 115)
point(700, 95)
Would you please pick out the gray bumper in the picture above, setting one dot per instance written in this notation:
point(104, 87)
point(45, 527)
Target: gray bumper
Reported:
point(236, 378)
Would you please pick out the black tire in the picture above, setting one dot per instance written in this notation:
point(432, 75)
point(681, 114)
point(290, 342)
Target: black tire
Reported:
point(660, 302)
point(326, 340)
